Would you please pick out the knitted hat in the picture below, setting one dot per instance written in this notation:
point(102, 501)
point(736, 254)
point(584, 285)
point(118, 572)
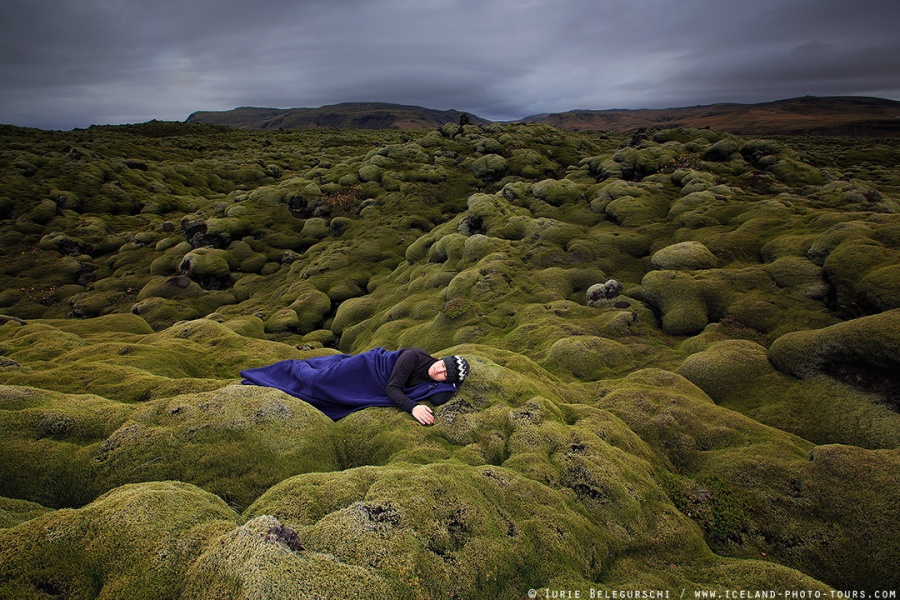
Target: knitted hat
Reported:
point(457, 369)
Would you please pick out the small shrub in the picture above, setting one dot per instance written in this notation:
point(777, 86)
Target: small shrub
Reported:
point(456, 307)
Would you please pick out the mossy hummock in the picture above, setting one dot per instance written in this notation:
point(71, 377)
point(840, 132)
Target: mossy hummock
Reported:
point(682, 344)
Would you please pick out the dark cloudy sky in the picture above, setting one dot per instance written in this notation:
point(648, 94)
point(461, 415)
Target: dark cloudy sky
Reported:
point(73, 63)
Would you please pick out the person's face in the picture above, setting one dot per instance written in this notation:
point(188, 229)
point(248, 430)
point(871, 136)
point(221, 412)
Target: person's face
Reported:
point(438, 371)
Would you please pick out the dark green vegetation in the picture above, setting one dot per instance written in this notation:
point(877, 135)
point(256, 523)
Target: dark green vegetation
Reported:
point(728, 421)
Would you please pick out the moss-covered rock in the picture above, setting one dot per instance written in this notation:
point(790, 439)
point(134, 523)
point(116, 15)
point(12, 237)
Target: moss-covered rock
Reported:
point(644, 436)
point(314, 230)
point(557, 191)
point(726, 368)
point(282, 320)
point(352, 311)
point(530, 164)
point(170, 287)
point(679, 300)
point(689, 256)
point(734, 501)
point(459, 534)
point(370, 173)
point(96, 445)
point(489, 167)
point(492, 215)
point(738, 375)
point(800, 275)
point(865, 276)
point(588, 357)
point(869, 345)
point(137, 540)
point(87, 305)
point(249, 326)
point(311, 306)
point(209, 267)
point(754, 151)
point(266, 559)
point(722, 151)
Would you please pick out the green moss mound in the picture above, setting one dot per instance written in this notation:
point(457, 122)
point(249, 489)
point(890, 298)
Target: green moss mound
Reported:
point(869, 343)
point(721, 418)
point(137, 541)
point(82, 446)
point(737, 374)
point(684, 255)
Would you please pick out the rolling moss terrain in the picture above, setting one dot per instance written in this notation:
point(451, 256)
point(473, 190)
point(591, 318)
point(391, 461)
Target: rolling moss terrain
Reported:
point(726, 417)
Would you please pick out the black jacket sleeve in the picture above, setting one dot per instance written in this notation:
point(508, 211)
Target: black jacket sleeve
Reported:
point(404, 369)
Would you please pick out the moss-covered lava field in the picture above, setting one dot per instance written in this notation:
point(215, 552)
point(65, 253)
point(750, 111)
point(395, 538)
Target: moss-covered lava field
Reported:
point(726, 418)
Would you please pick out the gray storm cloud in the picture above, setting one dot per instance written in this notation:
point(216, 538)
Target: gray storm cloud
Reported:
point(70, 63)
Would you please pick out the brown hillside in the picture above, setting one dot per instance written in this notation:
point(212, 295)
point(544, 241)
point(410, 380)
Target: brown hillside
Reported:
point(797, 116)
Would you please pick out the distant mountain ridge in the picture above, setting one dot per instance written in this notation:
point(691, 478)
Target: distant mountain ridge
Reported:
point(348, 115)
point(808, 115)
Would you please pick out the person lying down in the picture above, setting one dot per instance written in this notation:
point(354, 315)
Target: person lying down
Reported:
point(340, 384)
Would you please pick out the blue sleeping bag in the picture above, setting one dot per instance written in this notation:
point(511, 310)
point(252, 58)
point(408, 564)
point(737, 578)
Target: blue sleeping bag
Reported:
point(340, 384)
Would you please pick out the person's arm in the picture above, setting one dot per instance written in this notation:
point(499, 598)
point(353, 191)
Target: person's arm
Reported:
point(403, 370)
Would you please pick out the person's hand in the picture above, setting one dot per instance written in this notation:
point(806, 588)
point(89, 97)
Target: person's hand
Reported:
point(423, 414)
